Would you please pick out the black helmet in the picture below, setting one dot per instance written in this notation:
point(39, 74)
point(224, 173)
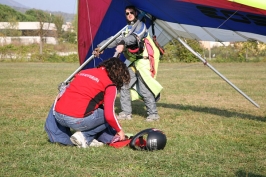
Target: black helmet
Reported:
point(149, 139)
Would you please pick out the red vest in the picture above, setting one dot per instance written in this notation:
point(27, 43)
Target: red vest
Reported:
point(84, 94)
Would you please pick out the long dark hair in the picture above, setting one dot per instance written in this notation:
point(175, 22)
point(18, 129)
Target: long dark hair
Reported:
point(131, 7)
point(117, 71)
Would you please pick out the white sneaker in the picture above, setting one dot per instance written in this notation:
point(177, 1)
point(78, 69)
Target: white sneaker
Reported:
point(124, 116)
point(79, 140)
point(96, 143)
point(153, 117)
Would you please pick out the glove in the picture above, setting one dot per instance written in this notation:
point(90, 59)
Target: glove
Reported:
point(96, 52)
point(120, 48)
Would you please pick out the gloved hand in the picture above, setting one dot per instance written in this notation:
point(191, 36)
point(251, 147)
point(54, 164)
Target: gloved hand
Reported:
point(120, 48)
point(96, 52)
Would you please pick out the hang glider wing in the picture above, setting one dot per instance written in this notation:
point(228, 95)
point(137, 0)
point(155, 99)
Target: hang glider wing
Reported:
point(208, 20)
point(260, 4)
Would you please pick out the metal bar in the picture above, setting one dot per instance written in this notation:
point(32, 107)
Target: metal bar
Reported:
point(102, 48)
point(172, 33)
point(92, 56)
point(206, 63)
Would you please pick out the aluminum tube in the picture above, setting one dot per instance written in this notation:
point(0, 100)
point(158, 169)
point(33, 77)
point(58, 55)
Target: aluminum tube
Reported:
point(92, 56)
point(206, 63)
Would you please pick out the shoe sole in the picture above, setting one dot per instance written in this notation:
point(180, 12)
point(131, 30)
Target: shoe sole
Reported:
point(75, 141)
point(124, 118)
point(96, 144)
point(151, 120)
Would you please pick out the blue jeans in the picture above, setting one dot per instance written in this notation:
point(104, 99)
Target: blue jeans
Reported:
point(90, 126)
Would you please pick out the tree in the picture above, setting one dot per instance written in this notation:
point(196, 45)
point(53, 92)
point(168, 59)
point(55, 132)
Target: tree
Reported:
point(42, 17)
point(175, 51)
point(6, 13)
point(10, 29)
point(70, 37)
point(247, 49)
point(58, 20)
point(75, 22)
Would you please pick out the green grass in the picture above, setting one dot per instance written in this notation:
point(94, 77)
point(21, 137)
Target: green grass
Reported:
point(212, 130)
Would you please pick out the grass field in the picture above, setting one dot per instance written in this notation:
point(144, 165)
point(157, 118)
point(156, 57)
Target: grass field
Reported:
point(211, 129)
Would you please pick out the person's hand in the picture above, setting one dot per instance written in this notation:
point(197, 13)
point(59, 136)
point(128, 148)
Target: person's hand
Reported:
point(96, 52)
point(121, 135)
point(120, 48)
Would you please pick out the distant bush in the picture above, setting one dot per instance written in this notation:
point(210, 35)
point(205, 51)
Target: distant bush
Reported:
point(251, 51)
point(176, 52)
point(57, 58)
point(31, 53)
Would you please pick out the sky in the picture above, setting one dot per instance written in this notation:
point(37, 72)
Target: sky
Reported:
point(68, 6)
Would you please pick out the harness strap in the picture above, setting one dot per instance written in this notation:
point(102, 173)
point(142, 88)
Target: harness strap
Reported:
point(151, 56)
point(133, 50)
point(158, 45)
point(154, 38)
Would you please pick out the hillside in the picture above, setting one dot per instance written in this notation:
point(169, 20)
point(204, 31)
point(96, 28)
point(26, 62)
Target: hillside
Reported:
point(13, 5)
point(67, 16)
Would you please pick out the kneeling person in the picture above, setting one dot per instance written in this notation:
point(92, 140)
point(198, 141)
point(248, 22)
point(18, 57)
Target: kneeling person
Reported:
point(81, 105)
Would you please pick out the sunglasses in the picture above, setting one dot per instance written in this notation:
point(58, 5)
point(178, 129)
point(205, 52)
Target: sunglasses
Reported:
point(127, 13)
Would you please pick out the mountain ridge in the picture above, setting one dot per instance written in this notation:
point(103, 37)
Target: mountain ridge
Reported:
point(12, 3)
point(68, 17)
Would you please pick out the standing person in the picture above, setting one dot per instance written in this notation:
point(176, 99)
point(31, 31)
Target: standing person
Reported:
point(81, 105)
point(140, 50)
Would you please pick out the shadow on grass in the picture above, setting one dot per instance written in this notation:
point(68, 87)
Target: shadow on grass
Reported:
point(138, 108)
point(242, 173)
point(212, 110)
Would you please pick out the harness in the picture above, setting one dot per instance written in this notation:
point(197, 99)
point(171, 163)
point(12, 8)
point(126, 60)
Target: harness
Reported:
point(136, 52)
point(154, 37)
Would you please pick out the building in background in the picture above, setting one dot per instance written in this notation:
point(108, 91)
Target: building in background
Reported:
point(210, 44)
point(30, 32)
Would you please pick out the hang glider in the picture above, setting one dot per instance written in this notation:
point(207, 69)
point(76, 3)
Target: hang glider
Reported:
point(257, 3)
point(202, 20)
